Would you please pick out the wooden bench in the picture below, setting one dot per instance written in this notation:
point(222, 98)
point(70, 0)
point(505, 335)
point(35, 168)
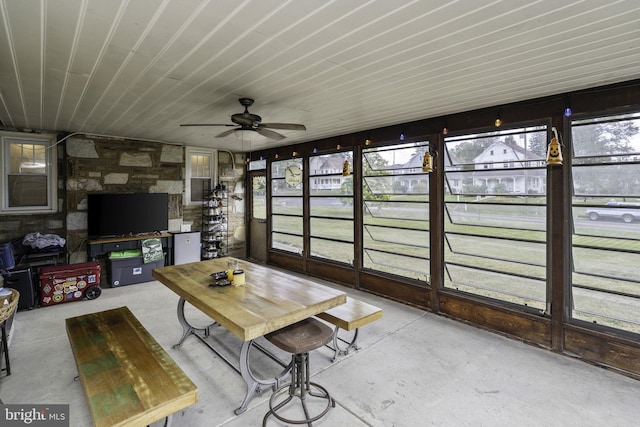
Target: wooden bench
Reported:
point(127, 377)
point(349, 316)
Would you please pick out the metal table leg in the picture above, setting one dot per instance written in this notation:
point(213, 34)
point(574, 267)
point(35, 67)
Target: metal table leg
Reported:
point(187, 328)
point(350, 344)
point(242, 367)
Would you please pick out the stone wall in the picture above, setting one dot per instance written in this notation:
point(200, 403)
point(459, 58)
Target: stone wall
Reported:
point(88, 165)
point(118, 166)
point(114, 166)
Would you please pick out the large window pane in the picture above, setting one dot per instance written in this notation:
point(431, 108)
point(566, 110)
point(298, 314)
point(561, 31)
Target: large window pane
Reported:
point(396, 211)
point(331, 206)
point(495, 215)
point(286, 206)
point(258, 198)
point(606, 217)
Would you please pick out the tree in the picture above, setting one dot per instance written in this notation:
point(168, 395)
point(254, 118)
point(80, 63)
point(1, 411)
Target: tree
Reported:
point(604, 138)
point(373, 164)
point(537, 144)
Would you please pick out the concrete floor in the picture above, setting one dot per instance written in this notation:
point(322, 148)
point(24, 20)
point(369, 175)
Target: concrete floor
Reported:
point(413, 369)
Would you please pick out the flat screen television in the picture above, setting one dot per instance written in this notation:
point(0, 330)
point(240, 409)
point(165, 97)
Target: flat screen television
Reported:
point(126, 214)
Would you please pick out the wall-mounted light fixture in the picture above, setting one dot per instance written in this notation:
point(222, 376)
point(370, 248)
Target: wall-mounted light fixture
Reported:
point(367, 142)
point(402, 136)
point(554, 152)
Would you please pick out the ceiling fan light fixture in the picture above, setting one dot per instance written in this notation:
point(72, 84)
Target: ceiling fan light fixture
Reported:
point(242, 134)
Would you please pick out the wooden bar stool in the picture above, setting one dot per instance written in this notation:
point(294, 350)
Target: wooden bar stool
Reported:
point(299, 339)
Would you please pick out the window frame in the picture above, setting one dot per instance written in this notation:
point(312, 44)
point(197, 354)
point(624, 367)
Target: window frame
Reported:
point(403, 251)
point(585, 280)
point(276, 179)
point(316, 178)
point(213, 164)
point(530, 274)
point(49, 140)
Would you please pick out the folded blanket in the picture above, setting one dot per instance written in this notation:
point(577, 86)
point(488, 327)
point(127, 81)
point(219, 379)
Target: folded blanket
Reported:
point(41, 241)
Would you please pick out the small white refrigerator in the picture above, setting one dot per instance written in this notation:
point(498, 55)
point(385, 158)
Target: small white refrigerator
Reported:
point(186, 247)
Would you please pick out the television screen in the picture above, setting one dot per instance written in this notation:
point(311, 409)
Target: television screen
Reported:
point(126, 214)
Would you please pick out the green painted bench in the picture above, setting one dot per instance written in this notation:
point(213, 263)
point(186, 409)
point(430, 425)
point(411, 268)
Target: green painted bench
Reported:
point(127, 377)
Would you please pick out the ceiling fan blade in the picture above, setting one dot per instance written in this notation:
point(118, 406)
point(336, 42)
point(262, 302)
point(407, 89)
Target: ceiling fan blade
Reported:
point(288, 126)
point(205, 124)
point(225, 133)
point(268, 133)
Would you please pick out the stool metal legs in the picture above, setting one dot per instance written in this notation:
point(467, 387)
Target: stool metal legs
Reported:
point(299, 387)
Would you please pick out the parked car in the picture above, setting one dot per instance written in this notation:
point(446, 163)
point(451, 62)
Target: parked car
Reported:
point(626, 211)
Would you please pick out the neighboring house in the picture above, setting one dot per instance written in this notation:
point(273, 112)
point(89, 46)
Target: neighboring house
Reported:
point(506, 164)
point(330, 166)
point(412, 166)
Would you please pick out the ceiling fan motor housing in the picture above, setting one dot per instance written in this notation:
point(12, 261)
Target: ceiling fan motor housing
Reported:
point(246, 119)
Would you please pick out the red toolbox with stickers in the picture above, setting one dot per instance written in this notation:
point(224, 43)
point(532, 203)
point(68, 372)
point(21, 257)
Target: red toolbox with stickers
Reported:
point(69, 282)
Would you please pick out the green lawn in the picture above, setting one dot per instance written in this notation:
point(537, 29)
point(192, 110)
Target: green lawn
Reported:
point(492, 260)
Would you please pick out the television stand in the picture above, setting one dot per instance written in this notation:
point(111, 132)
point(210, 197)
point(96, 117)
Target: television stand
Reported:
point(101, 247)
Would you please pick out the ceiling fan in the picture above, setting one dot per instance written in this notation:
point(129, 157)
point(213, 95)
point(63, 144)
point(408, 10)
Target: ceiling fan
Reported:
point(252, 122)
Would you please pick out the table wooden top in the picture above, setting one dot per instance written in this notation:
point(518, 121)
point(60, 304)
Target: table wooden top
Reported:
point(127, 377)
point(269, 300)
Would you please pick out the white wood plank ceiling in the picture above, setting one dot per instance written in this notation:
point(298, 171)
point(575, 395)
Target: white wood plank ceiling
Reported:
point(140, 68)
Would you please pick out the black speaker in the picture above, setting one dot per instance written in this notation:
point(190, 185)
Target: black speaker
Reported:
point(21, 280)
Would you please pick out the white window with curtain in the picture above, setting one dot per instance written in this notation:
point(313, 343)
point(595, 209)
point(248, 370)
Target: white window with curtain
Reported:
point(28, 178)
point(200, 173)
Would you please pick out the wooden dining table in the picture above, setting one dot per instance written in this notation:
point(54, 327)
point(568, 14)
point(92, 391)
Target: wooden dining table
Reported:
point(270, 299)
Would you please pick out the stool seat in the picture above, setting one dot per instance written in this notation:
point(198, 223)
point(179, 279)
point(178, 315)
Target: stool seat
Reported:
point(301, 337)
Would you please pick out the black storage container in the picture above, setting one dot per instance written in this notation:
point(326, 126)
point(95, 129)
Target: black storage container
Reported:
point(128, 271)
